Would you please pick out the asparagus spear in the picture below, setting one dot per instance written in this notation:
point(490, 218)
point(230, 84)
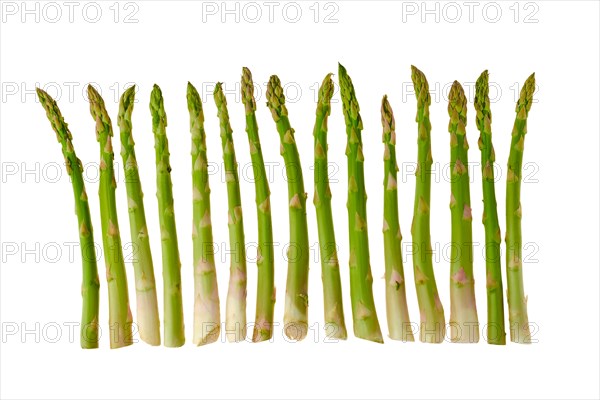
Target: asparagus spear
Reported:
point(517, 301)
point(335, 326)
point(265, 298)
point(145, 286)
point(173, 314)
point(433, 327)
point(364, 315)
point(395, 288)
point(235, 318)
point(296, 296)
point(120, 318)
point(207, 316)
point(496, 333)
point(464, 325)
point(90, 287)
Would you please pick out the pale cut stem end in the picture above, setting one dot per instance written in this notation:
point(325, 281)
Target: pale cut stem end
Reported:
point(295, 320)
point(367, 329)
point(372, 337)
point(464, 323)
point(335, 331)
point(235, 332)
point(120, 338)
point(464, 328)
point(521, 335)
point(235, 318)
point(295, 330)
point(147, 312)
point(403, 336)
point(207, 326)
point(400, 329)
point(262, 332)
point(206, 333)
point(432, 332)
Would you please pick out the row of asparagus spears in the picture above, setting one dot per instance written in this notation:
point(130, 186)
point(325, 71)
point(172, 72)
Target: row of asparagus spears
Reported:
point(463, 324)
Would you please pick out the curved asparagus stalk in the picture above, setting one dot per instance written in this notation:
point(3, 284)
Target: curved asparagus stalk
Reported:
point(265, 292)
point(296, 297)
point(395, 285)
point(207, 314)
point(496, 333)
point(120, 317)
point(464, 325)
point(235, 314)
point(145, 286)
point(517, 301)
point(433, 328)
point(90, 286)
point(364, 315)
point(173, 315)
point(335, 325)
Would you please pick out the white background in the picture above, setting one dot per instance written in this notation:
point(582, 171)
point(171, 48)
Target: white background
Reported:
point(377, 42)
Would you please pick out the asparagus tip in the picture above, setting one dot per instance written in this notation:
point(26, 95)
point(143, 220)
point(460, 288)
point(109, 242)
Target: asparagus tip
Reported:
point(219, 95)
point(416, 73)
point(526, 96)
point(130, 89)
point(457, 106)
point(457, 94)
point(247, 83)
point(246, 72)
point(155, 97)
point(193, 98)
point(127, 98)
point(482, 101)
point(247, 90)
point(191, 90)
point(481, 86)
point(93, 95)
point(387, 120)
point(421, 86)
point(326, 90)
point(193, 101)
point(275, 97)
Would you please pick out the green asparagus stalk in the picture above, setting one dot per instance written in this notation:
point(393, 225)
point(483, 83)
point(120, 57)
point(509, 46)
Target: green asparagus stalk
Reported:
point(173, 315)
point(120, 317)
point(433, 328)
point(235, 314)
point(265, 298)
point(335, 325)
point(364, 315)
point(464, 325)
point(207, 315)
point(90, 287)
point(496, 333)
point(517, 301)
point(395, 285)
point(296, 297)
point(145, 286)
